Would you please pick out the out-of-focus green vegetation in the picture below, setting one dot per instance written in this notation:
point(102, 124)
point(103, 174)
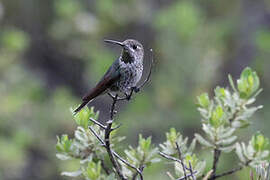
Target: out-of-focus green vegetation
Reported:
point(51, 52)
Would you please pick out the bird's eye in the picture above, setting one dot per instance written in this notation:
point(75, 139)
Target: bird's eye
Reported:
point(134, 47)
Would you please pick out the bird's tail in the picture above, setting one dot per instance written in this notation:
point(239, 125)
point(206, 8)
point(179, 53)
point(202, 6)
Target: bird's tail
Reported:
point(84, 103)
point(100, 88)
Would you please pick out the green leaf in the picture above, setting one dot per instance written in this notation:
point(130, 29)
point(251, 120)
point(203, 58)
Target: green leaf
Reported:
point(63, 156)
point(227, 141)
point(203, 100)
point(239, 152)
point(232, 83)
point(248, 83)
point(144, 143)
point(228, 133)
point(172, 136)
point(63, 143)
point(216, 117)
point(82, 117)
point(192, 145)
point(227, 149)
point(203, 142)
point(220, 92)
point(259, 142)
point(72, 174)
point(93, 170)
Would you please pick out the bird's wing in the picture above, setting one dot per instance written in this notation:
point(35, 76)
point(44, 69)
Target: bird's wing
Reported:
point(110, 77)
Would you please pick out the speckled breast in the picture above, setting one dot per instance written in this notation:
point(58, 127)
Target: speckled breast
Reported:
point(131, 73)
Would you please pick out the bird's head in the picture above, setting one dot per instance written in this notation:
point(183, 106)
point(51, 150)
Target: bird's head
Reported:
point(132, 50)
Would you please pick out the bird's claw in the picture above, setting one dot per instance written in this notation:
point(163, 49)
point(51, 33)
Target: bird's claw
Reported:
point(128, 97)
point(136, 89)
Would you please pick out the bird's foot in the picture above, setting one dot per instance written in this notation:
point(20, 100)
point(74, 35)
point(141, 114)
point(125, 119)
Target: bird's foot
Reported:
point(128, 96)
point(136, 89)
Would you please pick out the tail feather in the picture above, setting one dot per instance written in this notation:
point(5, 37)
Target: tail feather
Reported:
point(107, 81)
point(84, 103)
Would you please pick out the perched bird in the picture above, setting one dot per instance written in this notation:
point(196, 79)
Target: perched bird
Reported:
point(123, 75)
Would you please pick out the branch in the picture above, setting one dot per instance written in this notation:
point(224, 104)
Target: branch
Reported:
point(173, 159)
point(128, 164)
point(97, 136)
point(215, 162)
point(104, 167)
point(107, 134)
point(191, 171)
point(139, 171)
point(97, 123)
point(182, 163)
point(184, 177)
point(209, 173)
point(231, 171)
point(107, 141)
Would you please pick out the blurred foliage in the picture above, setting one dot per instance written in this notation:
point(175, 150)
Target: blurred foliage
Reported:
point(196, 44)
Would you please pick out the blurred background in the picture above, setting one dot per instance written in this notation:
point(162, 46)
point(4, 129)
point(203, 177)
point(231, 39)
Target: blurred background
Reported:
point(52, 53)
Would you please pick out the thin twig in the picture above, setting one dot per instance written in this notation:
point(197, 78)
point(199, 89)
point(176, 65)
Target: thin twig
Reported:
point(191, 171)
point(182, 178)
point(114, 153)
point(139, 171)
point(170, 175)
point(104, 167)
point(228, 172)
point(124, 161)
point(209, 173)
point(97, 123)
point(231, 171)
point(215, 162)
point(102, 144)
point(128, 164)
point(182, 162)
point(97, 136)
point(172, 158)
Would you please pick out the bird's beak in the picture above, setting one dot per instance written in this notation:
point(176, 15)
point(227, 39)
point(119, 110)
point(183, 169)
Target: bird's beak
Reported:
point(113, 42)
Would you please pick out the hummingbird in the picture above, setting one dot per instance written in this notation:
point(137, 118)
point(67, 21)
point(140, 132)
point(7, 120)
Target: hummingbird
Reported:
point(123, 74)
